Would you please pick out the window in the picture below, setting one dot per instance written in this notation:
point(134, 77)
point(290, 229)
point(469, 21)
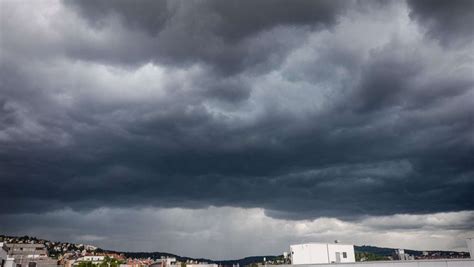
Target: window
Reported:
point(344, 255)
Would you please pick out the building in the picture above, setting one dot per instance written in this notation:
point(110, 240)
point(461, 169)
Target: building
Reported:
point(5, 259)
point(95, 259)
point(318, 253)
point(87, 258)
point(136, 263)
point(202, 265)
point(26, 255)
point(164, 262)
point(27, 251)
point(402, 256)
point(408, 263)
point(470, 246)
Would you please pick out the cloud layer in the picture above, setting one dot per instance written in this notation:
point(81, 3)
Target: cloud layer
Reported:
point(342, 109)
point(229, 233)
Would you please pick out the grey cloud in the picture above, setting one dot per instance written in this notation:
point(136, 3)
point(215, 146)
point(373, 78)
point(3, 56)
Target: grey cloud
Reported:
point(386, 79)
point(227, 230)
point(371, 125)
point(446, 221)
point(234, 20)
point(448, 22)
point(224, 35)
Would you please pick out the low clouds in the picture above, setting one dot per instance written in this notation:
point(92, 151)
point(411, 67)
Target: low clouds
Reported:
point(184, 231)
point(322, 108)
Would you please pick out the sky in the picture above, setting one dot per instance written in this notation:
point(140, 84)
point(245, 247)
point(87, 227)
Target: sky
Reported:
point(225, 129)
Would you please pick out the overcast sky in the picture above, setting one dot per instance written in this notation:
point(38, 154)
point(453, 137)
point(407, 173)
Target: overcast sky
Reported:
point(225, 129)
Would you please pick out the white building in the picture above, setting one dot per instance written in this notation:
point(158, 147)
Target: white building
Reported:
point(401, 255)
point(95, 259)
point(5, 259)
point(202, 265)
point(470, 246)
point(165, 262)
point(410, 263)
point(318, 253)
point(23, 255)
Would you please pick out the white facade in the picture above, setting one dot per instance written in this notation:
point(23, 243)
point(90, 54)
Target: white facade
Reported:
point(169, 261)
point(202, 265)
point(165, 262)
point(92, 258)
point(317, 253)
point(470, 246)
point(13, 255)
point(5, 259)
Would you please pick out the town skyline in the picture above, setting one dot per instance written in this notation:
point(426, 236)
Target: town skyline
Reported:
point(62, 249)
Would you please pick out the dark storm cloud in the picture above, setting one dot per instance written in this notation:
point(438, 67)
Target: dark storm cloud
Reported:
point(222, 34)
point(235, 19)
point(294, 111)
point(391, 80)
point(448, 21)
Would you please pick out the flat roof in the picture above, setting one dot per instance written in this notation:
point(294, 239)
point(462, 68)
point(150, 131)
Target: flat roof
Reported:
point(392, 263)
point(321, 243)
point(27, 245)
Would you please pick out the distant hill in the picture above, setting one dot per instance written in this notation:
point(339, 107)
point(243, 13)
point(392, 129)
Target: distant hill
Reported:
point(241, 262)
point(390, 251)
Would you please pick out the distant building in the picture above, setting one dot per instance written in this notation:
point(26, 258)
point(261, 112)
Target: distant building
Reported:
point(318, 253)
point(94, 259)
point(164, 262)
point(136, 263)
point(402, 256)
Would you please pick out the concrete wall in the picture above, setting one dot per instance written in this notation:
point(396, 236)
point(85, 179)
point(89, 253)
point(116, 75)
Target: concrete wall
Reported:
point(5, 260)
point(309, 253)
point(202, 265)
point(341, 248)
point(417, 263)
point(315, 253)
point(39, 263)
point(470, 246)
